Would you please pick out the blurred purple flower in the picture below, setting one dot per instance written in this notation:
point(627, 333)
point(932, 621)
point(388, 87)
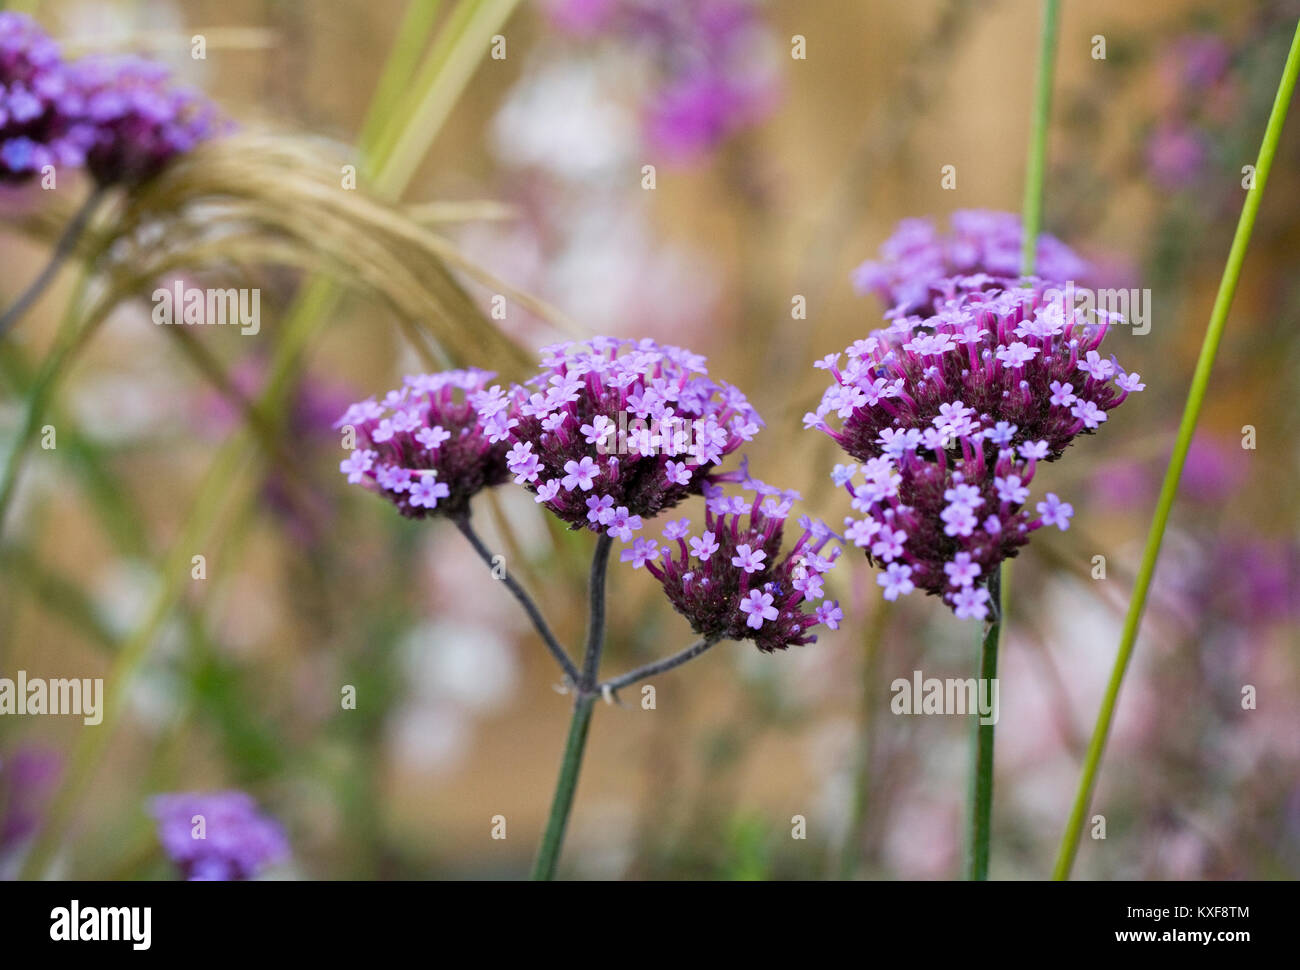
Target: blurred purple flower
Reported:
point(583, 18)
point(1175, 154)
point(141, 120)
point(712, 75)
point(120, 117)
point(1197, 61)
point(1213, 471)
point(693, 114)
point(917, 266)
point(27, 780)
point(218, 836)
point(1258, 579)
point(39, 116)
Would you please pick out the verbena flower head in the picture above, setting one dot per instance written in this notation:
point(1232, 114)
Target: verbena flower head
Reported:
point(39, 118)
point(919, 266)
point(613, 431)
point(949, 417)
point(731, 581)
point(424, 447)
point(235, 841)
point(140, 119)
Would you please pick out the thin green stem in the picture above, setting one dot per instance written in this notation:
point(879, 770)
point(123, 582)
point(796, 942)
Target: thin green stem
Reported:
point(851, 850)
point(1036, 164)
point(74, 331)
point(1169, 489)
point(408, 41)
point(548, 854)
point(596, 618)
point(981, 819)
point(519, 593)
point(658, 667)
point(66, 245)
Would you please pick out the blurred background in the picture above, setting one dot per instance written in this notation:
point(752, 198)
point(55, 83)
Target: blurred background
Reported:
point(534, 181)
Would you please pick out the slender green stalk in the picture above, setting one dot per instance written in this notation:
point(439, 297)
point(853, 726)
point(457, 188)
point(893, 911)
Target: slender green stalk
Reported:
point(66, 245)
point(851, 850)
point(981, 820)
point(72, 334)
point(1169, 489)
point(519, 593)
point(1036, 164)
point(616, 684)
point(408, 40)
point(981, 801)
point(468, 32)
point(548, 854)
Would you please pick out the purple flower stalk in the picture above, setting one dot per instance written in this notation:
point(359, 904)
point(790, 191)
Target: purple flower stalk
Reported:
point(218, 836)
point(425, 447)
point(39, 119)
point(918, 267)
point(141, 121)
point(730, 581)
point(615, 431)
point(949, 416)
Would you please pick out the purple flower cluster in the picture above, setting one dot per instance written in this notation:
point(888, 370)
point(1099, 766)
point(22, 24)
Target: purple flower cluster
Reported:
point(705, 55)
point(425, 447)
point(39, 123)
point(919, 268)
point(613, 431)
point(120, 117)
point(139, 119)
point(729, 582)
point(218, 836)
point(949, 416)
